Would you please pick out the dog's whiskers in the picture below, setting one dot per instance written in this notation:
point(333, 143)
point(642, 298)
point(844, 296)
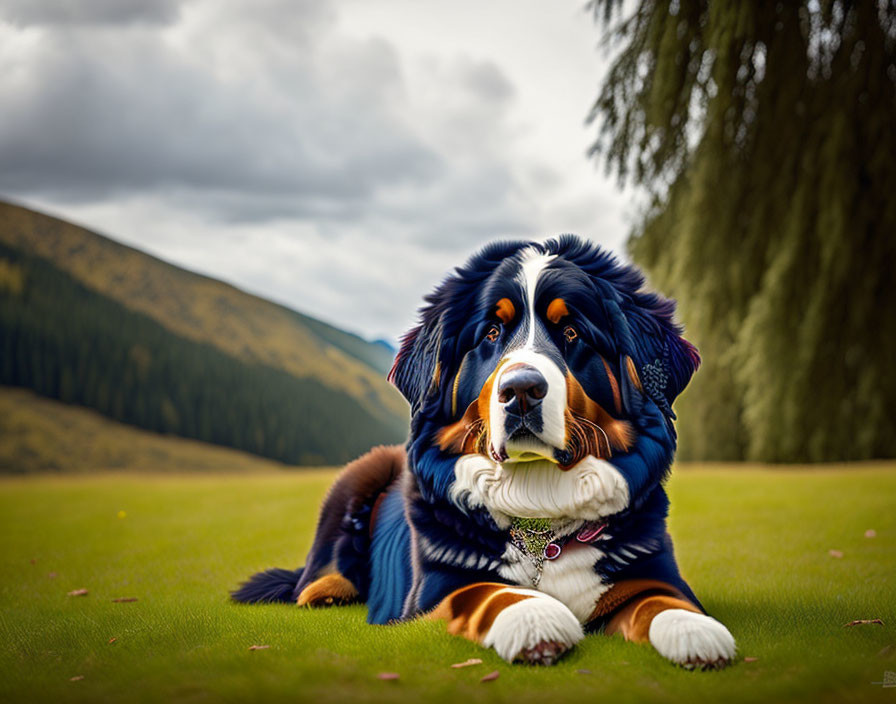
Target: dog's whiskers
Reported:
point(602, 432)
point(585, 439)
point(481, 432)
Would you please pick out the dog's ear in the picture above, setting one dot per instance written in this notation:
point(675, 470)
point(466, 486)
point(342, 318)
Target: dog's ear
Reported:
point(415, 371)
point(655, 360)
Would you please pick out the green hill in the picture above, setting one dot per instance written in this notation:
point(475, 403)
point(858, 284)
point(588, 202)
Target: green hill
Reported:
point(87, 320)
point(41, 435)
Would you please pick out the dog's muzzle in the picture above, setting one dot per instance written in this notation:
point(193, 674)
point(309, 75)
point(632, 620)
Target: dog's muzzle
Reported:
point(525, 403)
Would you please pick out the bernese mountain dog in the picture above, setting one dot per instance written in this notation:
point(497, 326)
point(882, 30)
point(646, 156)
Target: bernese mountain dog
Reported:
point(527, 507)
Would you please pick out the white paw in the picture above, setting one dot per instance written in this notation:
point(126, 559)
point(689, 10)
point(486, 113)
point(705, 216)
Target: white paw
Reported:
point(691, 640)
point(539, 629)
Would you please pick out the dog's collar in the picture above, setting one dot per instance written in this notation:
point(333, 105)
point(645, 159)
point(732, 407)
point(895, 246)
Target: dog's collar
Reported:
point(539, 540)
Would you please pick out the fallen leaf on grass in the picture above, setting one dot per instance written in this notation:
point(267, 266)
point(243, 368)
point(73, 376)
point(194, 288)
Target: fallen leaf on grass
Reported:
point(491, 676)
point(76, 678)
point(125, 599)
point(78, 592)
point(112, 640)
point(467, 663)
point(835, 553)
point(33, 561)
point(750, 659)
point(871, 533)
point(259, 647)
point(886, 651)
point(387, 676)
point(864, 622)
point(583, 672)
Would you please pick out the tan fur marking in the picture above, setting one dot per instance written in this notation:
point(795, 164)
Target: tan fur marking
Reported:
point(460, 436)
point(488, 611)
point(632, 604)
point(464, 600)
point(470, 611)
point(505, 310)
point(470, 433)
point(557, 310)
point(328, 590)
point(622, 592)
point(633, 621)
point(455, 385)
point(614, 385)
point(633, 373)
point(590, 430)
point(484, 401)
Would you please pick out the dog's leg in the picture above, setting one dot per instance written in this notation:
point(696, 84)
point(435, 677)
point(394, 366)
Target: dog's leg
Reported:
point(520, 624)
point(330, 590)
point(678, 629)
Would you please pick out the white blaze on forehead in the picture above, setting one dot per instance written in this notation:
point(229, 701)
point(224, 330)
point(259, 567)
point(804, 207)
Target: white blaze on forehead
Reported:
point(532, 263)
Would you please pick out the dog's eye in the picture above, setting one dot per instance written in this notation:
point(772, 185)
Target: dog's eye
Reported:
point(494, 332)
point(569, 332)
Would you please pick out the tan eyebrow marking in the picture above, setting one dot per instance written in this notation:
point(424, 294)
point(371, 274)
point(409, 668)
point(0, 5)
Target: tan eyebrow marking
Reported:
point(557, 310)
point(505, 310)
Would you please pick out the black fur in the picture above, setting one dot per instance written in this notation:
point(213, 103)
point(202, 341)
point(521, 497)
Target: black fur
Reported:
point(342, 529)
point(275, 584)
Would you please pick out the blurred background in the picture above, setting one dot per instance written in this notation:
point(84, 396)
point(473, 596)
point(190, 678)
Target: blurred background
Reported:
point(218, 217)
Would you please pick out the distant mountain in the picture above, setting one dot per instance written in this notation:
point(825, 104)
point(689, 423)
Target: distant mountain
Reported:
point(387, 348)
point(88, 320)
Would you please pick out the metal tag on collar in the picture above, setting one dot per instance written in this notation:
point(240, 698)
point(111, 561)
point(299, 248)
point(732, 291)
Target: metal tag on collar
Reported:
point(590, 533)
point(552, 551)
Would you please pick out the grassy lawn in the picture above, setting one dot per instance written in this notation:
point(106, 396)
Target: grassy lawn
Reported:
point(754, 544)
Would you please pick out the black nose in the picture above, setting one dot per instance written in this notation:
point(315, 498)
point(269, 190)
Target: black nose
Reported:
point(522, 385)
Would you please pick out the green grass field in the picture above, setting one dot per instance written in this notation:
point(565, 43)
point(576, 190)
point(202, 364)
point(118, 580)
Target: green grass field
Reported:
point(754, 543)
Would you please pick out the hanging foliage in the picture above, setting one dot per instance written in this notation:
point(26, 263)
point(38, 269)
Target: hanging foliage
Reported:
point(764, 138)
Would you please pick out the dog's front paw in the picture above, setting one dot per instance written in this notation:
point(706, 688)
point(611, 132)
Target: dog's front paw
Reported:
point(691, 640)
point(537, 631)
point(547, 652)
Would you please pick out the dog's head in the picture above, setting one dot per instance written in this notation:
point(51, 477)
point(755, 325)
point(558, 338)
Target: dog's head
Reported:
point(547, 353)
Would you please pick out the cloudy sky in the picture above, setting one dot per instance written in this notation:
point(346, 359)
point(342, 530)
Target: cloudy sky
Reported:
point(338, 156)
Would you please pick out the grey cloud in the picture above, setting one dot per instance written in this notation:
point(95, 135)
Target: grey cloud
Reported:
point(257, 112)
point(60, 12)
point(107, 114)
point(487, 82)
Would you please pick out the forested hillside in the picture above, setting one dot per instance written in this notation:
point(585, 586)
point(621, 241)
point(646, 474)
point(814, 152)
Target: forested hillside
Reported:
point(66, 340)
point(207, 310)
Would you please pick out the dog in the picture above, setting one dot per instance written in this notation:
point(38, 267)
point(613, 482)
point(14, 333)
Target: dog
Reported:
point(527, 507)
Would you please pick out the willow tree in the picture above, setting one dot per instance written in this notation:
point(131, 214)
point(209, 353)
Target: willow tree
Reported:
point(764, 138)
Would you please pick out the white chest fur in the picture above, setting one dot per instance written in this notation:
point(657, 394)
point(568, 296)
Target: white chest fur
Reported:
point(570, 578)
point(591, 490)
